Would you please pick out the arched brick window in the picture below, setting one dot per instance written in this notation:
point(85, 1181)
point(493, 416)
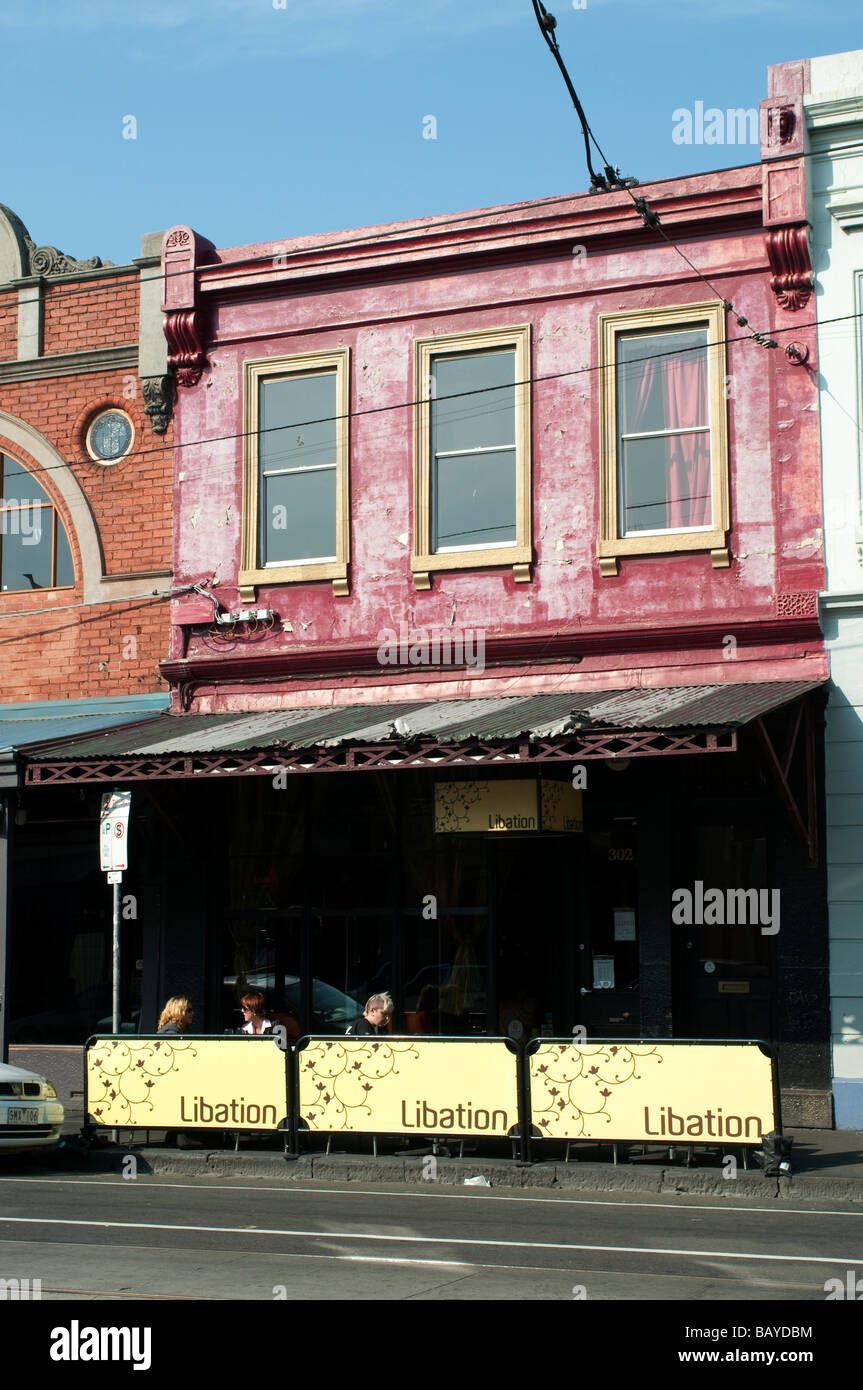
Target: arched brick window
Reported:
point(34, 547)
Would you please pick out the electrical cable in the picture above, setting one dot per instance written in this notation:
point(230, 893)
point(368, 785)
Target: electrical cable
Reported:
point(407, 405)
point(612, 181)
point(415, 227)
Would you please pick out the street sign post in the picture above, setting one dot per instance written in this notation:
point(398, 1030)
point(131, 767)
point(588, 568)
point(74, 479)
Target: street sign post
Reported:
point(113, 848)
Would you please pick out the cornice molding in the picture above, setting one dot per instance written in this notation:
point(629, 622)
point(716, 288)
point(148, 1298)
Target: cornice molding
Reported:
point(848, 212)
point(534, 649)
point(70, 363)
point(489, 233)
point(825, 111)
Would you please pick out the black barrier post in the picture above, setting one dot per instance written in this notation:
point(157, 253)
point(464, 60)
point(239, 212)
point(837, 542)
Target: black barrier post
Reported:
point(772, 1051)
point(86, 1128)
point(525, 1117)
point(293, 1090)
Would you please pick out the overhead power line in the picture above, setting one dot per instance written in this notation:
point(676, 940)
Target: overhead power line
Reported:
point(611, 180)
point(456, 395)
point(413, 228)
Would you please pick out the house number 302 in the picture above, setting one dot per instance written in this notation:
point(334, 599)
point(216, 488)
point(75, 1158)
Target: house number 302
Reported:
point(618, 854)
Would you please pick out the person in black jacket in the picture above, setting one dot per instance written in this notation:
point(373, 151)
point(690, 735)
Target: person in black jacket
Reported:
point(376, 1017)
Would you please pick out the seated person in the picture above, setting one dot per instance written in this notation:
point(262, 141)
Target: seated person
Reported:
point(376, 1017)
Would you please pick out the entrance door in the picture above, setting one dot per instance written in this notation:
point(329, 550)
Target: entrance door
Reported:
point(534, 929)
point(608, 948)
point(722, 969)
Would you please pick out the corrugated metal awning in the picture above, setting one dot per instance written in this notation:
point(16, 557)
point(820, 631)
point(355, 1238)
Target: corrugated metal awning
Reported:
point(716, 707)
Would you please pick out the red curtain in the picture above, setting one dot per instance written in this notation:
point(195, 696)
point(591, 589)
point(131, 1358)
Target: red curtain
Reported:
point(684, 384)
point(686, 456)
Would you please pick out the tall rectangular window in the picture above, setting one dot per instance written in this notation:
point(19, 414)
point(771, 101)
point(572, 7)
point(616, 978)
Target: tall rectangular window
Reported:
point(664, 456)
point(297, 460)
point(295, 495)
point(472, 454)
point(664, 432)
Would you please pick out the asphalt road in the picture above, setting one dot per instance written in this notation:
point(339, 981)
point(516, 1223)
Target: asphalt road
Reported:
point(148, 1238)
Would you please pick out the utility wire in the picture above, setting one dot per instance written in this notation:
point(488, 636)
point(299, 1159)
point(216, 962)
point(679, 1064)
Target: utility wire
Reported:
point(612, 180)
point(125, 598)
point(407, 405)
point(414, 228)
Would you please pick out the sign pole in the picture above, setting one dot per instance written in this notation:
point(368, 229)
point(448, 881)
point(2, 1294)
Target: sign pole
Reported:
point(115, 955)
point(113, 851)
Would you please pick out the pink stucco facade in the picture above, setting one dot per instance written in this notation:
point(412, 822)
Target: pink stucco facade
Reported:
point(555, 265)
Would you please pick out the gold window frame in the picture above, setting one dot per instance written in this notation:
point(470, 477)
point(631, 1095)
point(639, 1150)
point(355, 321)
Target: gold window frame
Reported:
point(425, 562)
point(611, 546)
point(252, 574)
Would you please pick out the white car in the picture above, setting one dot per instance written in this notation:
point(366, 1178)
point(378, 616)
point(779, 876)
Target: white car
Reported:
point(30, 1113)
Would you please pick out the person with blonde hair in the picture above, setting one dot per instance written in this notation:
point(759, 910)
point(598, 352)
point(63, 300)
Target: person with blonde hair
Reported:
point(376, 1017)
point(177, 1015)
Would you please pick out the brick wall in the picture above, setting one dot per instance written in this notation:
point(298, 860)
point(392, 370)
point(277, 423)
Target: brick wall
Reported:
point(104, 649)
point(107, 648)
point(130, 500)
point(90, 314)
point(8, 325)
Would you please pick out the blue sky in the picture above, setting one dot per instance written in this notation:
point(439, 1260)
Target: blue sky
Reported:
point(257, 123)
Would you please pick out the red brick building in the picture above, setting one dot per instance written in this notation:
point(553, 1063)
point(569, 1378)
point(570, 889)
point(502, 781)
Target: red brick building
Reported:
point(85, 567)
point(85, 438)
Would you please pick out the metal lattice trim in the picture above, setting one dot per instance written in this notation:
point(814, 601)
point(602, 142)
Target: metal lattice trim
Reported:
point(374, 757)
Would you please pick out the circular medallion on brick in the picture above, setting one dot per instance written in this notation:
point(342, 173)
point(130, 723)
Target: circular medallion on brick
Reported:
point(110, 436)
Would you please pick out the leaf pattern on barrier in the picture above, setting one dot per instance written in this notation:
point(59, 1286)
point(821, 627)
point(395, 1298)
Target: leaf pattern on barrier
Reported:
point(581, 1081)
point(127, 1073)
point(337, 1078)
point(453, 801)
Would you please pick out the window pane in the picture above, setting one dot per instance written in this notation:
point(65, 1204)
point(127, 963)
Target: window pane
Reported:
point(473, 422)
point(288, 439)
point(64, 569)
point(667, 390)
point(25, 538)
point(298, 516)
point(473, 499)
point(17, 486)
point(665, 482)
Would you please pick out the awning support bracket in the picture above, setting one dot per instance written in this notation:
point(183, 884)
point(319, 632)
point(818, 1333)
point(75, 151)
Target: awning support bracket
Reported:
point(803, 819)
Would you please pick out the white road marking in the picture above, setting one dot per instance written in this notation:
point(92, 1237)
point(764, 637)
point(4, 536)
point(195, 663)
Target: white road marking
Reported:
point(484, 1195)
point(239, 1256)
point(427, 1239)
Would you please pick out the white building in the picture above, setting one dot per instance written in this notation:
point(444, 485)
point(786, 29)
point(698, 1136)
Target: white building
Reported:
point(833, 113)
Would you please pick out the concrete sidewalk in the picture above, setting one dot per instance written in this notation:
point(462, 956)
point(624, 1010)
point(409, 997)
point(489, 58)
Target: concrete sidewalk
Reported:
point(827, 1165)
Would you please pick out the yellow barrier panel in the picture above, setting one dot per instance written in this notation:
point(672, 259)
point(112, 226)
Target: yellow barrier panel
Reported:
point(176, 1082)
point(686, 1092)
point(455, 1086)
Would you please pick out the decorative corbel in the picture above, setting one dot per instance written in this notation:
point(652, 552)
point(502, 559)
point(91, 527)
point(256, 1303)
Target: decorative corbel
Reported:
point(182, 251)
point(788, 253)
point(158, 401)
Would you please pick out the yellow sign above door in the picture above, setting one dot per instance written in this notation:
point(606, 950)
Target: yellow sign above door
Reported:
point(507, 807)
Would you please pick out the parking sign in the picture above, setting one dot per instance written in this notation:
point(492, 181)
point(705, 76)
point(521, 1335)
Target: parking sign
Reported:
point(114, 830)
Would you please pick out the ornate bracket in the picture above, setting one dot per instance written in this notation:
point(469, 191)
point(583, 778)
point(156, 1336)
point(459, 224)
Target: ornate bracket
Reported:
point(47, 260)
point(182, 252)
point(788, 253)
point(185, 349)
point(158, 401)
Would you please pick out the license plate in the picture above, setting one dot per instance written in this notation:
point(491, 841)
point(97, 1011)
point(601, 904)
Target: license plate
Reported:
point(30, 1116)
